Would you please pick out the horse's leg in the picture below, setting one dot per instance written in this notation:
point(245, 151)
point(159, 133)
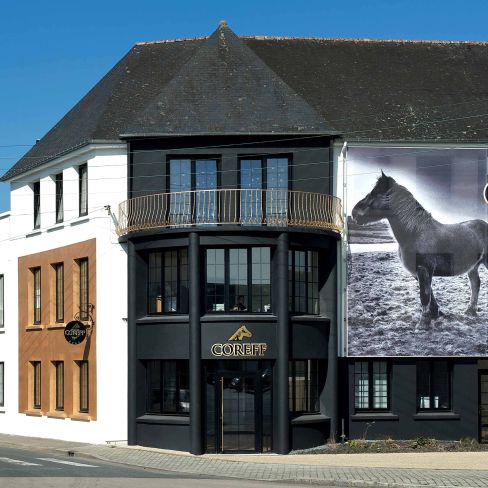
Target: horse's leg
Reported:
point(425, 281)
point(474, 279)
point(434, 307)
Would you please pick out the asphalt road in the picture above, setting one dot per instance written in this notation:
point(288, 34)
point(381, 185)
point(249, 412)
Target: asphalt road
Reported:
point(25, 468)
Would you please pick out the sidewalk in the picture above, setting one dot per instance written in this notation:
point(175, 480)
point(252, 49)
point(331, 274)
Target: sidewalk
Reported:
point(352, 470)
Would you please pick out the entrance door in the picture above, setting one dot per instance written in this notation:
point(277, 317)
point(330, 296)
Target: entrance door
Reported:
point(483, 405)
point(239, 406)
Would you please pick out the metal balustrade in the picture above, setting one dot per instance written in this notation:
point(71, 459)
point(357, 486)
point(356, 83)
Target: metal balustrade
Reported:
point(244, 207)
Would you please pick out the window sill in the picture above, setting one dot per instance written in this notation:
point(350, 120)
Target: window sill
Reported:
point(33, 413)
point(85, 417)
point(309, 318)
point(55, 326)
point(150, 319)
point(56, 414)
point(57, 226)
point(311, 418)
point(436, 416)
point(35, 327)
point(361, 417)
point(35, 232)
point(2, 331)
point(80, 220)
point(238, 317)
point(164, 419)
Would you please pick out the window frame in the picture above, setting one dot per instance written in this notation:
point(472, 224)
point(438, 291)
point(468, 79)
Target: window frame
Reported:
point(179, 365)
point(36, 385)
point(179, 302)
point(431, 363)
point(82, 180)
point(2, 383)
point(36, 286)
point(292, 385)
point(36, 189)
point(59, 201)
point(227, 304)
point(84, 386)
point(371, 389)
point(59, 382)
point(292, 284)
point(84, 289)
point(59, 292)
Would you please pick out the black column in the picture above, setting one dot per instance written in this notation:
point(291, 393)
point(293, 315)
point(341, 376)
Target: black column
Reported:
point(131, 342)
point(282, 437)
point(195, 345)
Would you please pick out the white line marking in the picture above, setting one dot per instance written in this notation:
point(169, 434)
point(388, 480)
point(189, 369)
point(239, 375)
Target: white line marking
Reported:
point(71, 463)
point(18, 462)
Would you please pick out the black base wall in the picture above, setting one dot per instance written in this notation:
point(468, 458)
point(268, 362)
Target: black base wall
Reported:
point(174, 437)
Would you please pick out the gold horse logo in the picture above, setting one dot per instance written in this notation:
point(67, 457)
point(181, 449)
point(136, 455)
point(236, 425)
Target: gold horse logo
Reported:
point(240, 333)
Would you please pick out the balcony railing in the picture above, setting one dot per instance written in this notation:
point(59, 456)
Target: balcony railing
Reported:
point(245, 207)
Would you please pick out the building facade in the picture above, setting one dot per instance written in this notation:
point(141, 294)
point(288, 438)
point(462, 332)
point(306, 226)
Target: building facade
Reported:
point(248, 228)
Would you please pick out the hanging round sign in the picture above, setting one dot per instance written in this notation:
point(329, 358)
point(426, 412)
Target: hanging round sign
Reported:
point(75, 332)
point(485, 193)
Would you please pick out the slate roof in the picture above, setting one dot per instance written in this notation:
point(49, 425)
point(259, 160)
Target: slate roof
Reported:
point(368, 90)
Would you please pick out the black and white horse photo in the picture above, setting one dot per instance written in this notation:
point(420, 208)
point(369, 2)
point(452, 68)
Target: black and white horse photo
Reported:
point(427, 248)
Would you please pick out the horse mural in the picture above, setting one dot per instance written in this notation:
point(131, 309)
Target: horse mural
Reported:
point(427, 247)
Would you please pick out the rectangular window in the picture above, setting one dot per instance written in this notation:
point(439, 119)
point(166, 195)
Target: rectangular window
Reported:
point(59, 197)
point(83, 365)
point(303, 281)
point(168, 389)
point(190, 182)
point(36, 275)
point(168, 281)
point(304, 386)
point(2, 384)
point(36, 384)
point(238, 280)
point(270, 174)
point(83, 274)
point(59, 288)
point(2, 301)
point(433, 385)
point(371, 385)
point(37, 204)
point(83, 189)
point(59, 369)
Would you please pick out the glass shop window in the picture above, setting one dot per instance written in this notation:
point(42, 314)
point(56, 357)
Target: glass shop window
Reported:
point(304, 385)
point(433, 385)
point(303, 281)
point(371, 386)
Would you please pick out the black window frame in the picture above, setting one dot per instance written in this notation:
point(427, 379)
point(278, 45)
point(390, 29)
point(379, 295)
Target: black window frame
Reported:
point(36, 189)
point(59, 385)
point(182, 370)
point(371, 387)
point(292, 386)
point(227, 304)
point(292, 283)
point(36, 384)
point(82, 179)
point(84, 289)
point(36, 285)
point(59, 209)
point(2, 384)
point(59, 292)
point(182, 304)
point(431, 366)
point(84, 385)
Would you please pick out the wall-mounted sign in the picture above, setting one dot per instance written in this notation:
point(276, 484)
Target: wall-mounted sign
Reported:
point(235, 348)
point(75, 332)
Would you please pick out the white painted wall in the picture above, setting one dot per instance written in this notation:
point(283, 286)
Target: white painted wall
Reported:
point(107, 186)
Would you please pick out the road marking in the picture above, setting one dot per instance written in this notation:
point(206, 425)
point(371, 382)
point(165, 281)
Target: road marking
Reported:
point(18, 462)
point(71, 463)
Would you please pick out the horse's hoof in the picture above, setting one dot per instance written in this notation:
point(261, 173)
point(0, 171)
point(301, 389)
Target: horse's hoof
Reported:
point(424, 323)
point(471, 311)
point(436, 314)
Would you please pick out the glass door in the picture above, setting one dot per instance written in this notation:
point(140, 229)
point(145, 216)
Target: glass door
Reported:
point(483, 405)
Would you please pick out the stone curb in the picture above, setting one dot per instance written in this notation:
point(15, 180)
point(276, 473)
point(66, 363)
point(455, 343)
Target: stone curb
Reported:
point(335, 476)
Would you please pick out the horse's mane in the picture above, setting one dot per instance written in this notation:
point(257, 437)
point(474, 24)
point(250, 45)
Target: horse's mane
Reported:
point(408, 210)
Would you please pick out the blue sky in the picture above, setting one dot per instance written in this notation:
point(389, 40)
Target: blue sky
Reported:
point(53, 52)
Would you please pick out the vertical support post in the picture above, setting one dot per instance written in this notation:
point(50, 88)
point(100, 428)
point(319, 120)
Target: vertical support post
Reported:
point(131, 345)
point(195, 346)
point(282, 437)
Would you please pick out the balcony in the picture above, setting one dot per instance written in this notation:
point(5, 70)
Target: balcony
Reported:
point(241, 207)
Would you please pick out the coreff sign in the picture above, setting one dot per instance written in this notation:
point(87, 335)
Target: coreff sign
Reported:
point(75, 332)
